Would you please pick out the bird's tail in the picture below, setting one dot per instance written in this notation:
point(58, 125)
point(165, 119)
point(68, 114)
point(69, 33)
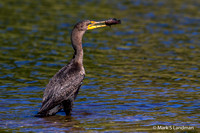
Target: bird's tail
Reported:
point(51, 112)
point(40, 115)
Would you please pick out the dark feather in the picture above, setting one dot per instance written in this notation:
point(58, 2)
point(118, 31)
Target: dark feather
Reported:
point(62, 86)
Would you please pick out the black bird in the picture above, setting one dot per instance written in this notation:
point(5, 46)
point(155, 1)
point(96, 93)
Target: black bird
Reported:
point(63, 87)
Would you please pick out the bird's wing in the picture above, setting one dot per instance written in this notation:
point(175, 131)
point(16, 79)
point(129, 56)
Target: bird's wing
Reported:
point(62, 86)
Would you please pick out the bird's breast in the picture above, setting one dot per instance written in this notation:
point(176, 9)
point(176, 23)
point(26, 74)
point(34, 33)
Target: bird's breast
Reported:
point(82, 72)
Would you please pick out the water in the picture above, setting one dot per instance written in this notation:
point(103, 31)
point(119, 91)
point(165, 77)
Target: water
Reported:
point(139, 75)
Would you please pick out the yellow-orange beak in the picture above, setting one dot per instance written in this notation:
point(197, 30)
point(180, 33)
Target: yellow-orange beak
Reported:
point(96, 24)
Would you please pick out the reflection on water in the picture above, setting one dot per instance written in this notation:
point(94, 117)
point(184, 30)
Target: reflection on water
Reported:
point(140, 74)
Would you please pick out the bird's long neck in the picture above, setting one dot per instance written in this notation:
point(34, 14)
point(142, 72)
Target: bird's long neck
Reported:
point(76, 39)
point(78, 54)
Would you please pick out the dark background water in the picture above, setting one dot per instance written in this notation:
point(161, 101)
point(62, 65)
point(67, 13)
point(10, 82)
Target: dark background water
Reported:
point(142, 73)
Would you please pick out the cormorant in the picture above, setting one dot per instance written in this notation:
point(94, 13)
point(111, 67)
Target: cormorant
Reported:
point(64, 86)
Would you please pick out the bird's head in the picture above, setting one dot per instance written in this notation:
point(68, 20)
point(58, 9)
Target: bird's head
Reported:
point(81, 27)
point(89, 25)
